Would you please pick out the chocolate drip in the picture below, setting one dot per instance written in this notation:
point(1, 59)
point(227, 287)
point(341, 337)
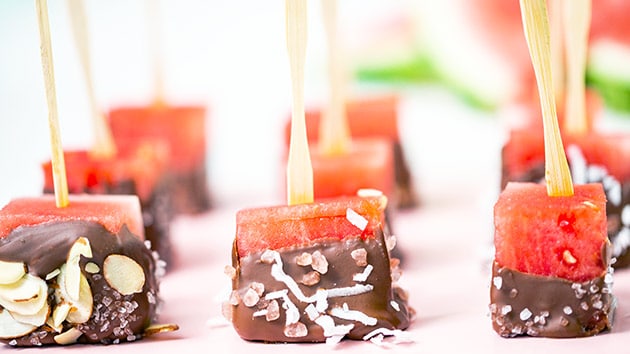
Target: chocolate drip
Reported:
point(115, 318)
point(385, 302)
point(539, 306)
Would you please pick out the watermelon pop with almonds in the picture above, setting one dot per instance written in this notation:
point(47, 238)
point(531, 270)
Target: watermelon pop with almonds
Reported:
point(551, 274)
point(74, 269)
point(313, 271)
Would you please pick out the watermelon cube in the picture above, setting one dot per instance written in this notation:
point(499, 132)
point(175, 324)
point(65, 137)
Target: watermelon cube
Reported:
point(79, 274)
point(314, 272)
point(372, 118)
point(139, 172)
point(183, 130)
point(551, 273)
point(593, 158)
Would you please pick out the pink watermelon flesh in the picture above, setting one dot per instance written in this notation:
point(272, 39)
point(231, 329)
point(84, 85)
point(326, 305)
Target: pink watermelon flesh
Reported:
point(272, 228)
point(562, 237)
point(111, 211)
point(368, 164)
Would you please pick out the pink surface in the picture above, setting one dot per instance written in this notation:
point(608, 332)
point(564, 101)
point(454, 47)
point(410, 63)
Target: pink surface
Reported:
point(448, 280)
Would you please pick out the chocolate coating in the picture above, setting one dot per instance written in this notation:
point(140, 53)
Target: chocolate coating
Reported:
point(115, 317)
point(385, 303)
point(189, 191)
point(538, 306)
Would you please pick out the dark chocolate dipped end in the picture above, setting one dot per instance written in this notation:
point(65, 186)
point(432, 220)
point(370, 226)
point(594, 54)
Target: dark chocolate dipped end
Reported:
point(538, 306)
point(323, 292)
point(121, 276)
point(189, 191)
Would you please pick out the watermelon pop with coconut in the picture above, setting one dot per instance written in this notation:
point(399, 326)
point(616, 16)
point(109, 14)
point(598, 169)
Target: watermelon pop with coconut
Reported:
point(594, 156)
point(74, 269)
point(181, 128)
point(312, 271)
point(106, 170)
point(551, 275)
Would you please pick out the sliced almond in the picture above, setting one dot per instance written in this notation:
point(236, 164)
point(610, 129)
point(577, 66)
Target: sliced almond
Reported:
point(59, 315)
point(26, 296)
point(81, 307)
point(123, 274)
point(81, 247)
point(37, 319)
point(160, 328)
point(11, 272)
point(10, 328)
point(92, 268)
point(68, 337)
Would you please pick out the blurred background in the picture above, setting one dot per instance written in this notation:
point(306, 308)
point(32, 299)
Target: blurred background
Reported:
point(230, 56)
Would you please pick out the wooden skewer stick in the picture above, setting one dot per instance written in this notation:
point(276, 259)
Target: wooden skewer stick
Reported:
point(556, 12)
point(334, 134)
point(299, 168)
point(103, 142)
point(536, 25)
point(155, 49)
point(577, 22)
point(58, 163)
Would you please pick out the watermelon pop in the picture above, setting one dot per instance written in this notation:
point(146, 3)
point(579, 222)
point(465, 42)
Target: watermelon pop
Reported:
point(91, 256)
point(351, 139)
point(73, 269)
point(182, 129)
point(313, 271)
point(551, 274)
point(373, 119)
point(594, 156)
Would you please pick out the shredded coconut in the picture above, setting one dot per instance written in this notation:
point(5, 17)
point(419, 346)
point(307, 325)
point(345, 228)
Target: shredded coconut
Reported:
point(361, 277)
point(356, 219)
point(353, 315)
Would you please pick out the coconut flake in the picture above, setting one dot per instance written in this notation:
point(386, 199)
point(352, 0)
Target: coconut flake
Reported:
point(321, 303)
point(400, 336)
point(260, 313)
point(394, 305)
point(356, 219)
point(361, 277)
point(350, 291)
point(369, 192)
point(353, 315)
point(52, 274)
point(311, 312)
point(625, 215)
